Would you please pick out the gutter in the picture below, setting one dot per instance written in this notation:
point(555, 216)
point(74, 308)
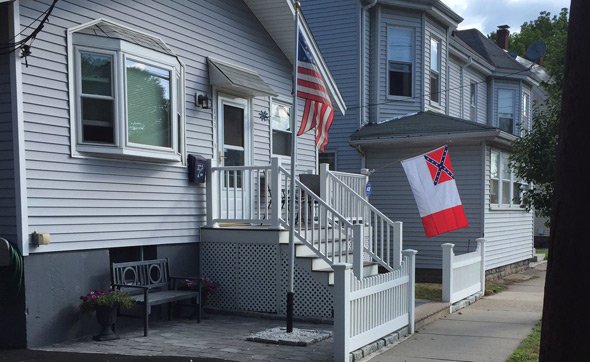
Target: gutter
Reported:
point(497, 136)
point(362, 56)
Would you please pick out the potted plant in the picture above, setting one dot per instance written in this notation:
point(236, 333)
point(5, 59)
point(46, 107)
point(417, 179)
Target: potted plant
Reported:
point(208, 286)
point(105, 302)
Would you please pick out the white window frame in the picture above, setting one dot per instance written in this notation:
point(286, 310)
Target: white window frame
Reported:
point(436, 72)
point(272, 129)
point(502, 156)
point(411, 62)
point(120, 50)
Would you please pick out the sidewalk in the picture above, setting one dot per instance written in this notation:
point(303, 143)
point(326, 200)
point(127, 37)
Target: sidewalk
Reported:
point(488, 330)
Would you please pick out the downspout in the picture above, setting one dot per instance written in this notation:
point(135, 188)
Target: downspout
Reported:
point(362, 56)
point(463, 67)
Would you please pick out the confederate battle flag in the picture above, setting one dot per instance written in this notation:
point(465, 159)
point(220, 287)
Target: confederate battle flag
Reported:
point(433, 184)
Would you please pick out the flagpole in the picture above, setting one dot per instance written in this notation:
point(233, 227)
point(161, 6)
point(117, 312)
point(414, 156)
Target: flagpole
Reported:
point(291, 195)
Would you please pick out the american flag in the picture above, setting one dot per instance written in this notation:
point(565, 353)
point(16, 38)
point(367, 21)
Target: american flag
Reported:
point(318, 112)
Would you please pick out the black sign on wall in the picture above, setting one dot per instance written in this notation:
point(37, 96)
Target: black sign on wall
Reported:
point(197, 169)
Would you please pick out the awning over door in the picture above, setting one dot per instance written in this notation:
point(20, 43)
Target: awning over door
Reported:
point(232, 77)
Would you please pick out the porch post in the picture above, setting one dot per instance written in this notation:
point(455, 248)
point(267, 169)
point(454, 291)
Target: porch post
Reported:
point(324, 186)
point(212, 194)
point(275, 189)
point(447, 271)
point(341, 311)
point(411, 255)
point(398, 232)
point(481, 245)
point(357, 250)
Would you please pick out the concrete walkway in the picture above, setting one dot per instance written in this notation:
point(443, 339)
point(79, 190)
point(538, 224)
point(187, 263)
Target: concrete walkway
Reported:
point(488, 330)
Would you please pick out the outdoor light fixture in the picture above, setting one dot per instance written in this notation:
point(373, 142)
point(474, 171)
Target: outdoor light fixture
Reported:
point(203, 101)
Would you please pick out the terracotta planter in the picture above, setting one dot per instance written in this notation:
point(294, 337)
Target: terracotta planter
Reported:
point(106, 317)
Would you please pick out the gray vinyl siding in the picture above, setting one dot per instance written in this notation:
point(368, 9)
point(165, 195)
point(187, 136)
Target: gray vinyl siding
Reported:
point(455, 91)
point(473, 76)
point(391, 107)
point(392, 196)
point(508, 232)
point(460, 93)
point(7, 164)
point(335, 25)
point(93, 202)
point(434, 30)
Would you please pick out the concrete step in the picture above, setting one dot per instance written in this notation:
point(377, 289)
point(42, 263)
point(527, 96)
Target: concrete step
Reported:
point(369, 269)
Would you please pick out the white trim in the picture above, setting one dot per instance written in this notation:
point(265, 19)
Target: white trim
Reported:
point(18, 132)
point(100, 244)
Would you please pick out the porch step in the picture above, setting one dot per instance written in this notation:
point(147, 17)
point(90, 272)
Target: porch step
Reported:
point(369, 269)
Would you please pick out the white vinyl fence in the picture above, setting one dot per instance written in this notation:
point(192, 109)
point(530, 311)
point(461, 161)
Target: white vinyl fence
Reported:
point(463, 275)
point(373, 307)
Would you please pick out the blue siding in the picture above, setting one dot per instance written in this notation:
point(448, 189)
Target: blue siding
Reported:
point(335, 25)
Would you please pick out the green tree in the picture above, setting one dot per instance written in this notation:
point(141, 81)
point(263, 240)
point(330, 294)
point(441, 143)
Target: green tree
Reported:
point(534, 155)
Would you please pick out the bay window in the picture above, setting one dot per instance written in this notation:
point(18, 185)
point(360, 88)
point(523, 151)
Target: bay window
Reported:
point(127, 97)
point(435, 70)
point(400, 60)
point(506, 110)
point(505, 188)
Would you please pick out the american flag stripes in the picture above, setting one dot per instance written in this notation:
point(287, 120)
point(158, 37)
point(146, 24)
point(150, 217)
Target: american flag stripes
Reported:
point(318, 112)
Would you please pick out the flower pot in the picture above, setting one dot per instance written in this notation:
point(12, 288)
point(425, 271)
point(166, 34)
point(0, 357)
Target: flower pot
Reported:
point(106, 317)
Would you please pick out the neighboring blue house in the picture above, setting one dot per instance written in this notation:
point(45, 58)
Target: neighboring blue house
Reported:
point(413, 82)
point(96, 126)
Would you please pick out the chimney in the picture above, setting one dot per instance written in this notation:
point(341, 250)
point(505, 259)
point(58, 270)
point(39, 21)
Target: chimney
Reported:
point(503, 35)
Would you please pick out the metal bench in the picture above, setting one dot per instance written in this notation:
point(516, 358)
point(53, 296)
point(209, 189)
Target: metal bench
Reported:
point(149, 283)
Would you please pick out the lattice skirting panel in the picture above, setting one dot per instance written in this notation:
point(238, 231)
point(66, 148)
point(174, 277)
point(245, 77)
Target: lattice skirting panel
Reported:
point(254, 278)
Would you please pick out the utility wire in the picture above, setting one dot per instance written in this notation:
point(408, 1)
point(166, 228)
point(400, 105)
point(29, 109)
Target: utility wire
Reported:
point(503, 77)
point(21, 44)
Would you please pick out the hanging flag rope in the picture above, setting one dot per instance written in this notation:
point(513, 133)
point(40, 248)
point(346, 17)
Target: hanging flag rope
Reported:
point(318, 112)
point(432, 181)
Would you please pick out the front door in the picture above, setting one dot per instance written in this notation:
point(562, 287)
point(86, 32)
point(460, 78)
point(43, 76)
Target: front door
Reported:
point(233, 149)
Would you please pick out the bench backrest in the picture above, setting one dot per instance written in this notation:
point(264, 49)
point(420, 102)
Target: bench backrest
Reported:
point(146, 273)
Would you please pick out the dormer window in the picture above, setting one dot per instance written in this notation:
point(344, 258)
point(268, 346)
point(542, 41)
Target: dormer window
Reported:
point(126, 94)
point(400, 61)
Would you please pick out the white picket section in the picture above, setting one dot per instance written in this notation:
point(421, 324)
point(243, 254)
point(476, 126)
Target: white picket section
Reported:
point(371, 308)
point(463, 275)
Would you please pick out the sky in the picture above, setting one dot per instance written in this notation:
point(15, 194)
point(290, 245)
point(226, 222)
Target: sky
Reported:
point(486, 15)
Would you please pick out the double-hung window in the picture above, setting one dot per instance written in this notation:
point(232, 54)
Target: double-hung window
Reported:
point(400, 60)
point(435, 70)
point(281, 129)
point(505, 188)
point(506, 110)
point(127, 95)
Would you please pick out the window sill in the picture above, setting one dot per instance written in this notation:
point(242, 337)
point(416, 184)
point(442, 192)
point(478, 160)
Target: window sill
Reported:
point(112, 152)
point(409, 99)
point(506, 208)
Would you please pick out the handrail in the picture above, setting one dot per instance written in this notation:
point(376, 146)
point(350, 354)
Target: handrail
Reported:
point(384, 235)
point(325, 231)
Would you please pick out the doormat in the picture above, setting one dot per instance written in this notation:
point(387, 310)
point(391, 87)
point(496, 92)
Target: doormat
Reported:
point(299, 337)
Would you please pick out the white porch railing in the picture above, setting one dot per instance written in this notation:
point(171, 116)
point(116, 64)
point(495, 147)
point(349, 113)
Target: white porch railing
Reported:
point(383, 236)
point(368, 309)
point(463, 275)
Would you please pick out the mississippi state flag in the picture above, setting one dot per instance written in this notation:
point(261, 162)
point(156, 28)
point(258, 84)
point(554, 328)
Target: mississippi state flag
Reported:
point(433, 184)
